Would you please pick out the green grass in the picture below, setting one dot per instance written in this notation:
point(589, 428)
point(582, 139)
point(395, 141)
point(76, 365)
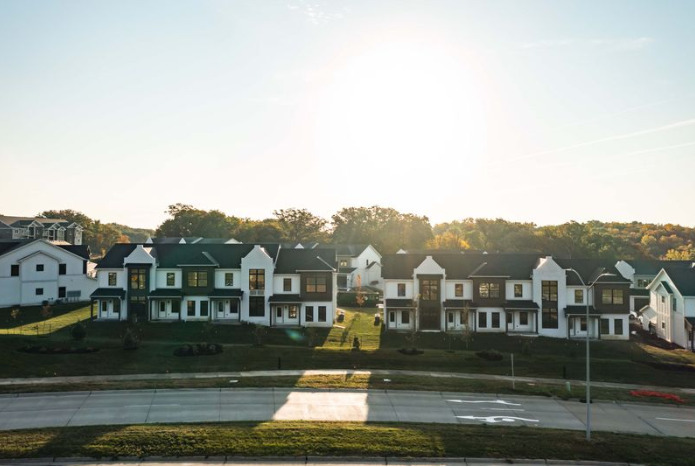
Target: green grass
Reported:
point(627, 362)
point(342, 439)
point(35, 320)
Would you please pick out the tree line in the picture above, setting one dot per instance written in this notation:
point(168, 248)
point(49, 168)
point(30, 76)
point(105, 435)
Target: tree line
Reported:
point(390, 230)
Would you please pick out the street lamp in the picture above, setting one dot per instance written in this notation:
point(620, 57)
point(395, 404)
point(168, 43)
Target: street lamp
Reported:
point(588, 366)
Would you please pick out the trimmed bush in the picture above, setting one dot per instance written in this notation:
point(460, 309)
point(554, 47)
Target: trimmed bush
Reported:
point(190, 350)
point(490, 355)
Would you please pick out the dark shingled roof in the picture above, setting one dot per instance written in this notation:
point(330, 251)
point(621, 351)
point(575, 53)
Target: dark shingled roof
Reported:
point(580, 310)
point(287, 298)
point(683, 279)
point(590, 269)
point(653, 266)
point(166, 293)
point(346, 250)
point(399, 302)
point(454, 303)
point(106, 292)
point(9, 245)
point(463, 266)
point(318, 259)
point(521, 305)
point(225, 293)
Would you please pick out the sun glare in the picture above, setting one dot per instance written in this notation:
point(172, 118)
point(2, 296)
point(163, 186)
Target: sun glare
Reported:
point(404, 100)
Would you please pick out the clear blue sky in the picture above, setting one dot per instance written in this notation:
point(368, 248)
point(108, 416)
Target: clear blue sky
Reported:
point(540, 111)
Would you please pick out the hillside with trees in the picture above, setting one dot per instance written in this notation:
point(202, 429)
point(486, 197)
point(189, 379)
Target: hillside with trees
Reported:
point(390, 230)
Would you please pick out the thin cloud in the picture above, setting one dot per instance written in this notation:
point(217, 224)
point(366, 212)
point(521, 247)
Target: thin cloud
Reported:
point(618, 45)
point(316, 12)
point(670, 126)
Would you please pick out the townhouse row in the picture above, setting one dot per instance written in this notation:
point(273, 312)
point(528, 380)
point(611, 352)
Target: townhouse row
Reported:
point(261, 284)
point(505, 293)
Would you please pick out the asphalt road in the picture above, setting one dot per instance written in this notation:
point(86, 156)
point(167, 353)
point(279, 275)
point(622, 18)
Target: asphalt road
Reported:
point(220, 405)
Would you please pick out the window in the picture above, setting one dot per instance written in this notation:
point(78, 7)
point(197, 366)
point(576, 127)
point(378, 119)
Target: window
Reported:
point(401, 290)
point(489, 290)
point(316, 284)
point(228, 279)
point(523, 318)
point(39, 267)
point(293, 312)
point(518, 290)
point(309, 314)
point(458, 290)
point(612, 296)
point(176, 307)
point(104, 306)
point(549, 319)
point(162, 306)
point(582, 323)
point(604, 326)
point(674, 304)
point(62, 269)
point(429, 289)
point(198, 279)
point(405, 317)
point(578, 296)
point(643, 283)
point(549, 292)
point(138, 278)
point(343, 263)
point(392, 316)
point(510, 318)
point(171, 278)
point(112, 279)
point(256, 306)
point(287, 284)
point(663, 325)
point(463, 318)
point(204, 305)
point(495, 320)
point(618, 327)
point(482, 320)
point(257, 279)
point(278, 312)
point(663, 299)
point(61, 292)
point(39, 291)
point(14, 270)
point(116, 306)
point(190, 310)
point(450, 318)
point(322, 314)
point(220, 307)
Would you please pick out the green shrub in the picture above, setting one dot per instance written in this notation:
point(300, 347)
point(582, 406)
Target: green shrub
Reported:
point(130, 340)
point(78, 332)
point(490, 355)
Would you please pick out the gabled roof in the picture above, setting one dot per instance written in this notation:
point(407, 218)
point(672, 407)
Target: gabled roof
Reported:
point(683, 278)
point(79, 250)
point(590, 270)
point(20, 221)
point(347, 250)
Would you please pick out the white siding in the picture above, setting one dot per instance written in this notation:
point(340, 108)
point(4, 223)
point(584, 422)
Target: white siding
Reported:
point(526, 290)
point(161, 279)
point(279, 282)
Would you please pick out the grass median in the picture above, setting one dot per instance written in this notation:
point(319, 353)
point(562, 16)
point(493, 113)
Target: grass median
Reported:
point(342, 439)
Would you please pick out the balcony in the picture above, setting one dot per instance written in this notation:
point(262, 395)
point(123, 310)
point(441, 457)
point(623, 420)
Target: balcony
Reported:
point(257, 292)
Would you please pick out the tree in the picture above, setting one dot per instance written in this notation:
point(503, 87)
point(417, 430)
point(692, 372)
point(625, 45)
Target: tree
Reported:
point(187, 221)
point(265, 231)
point(466, 331)
point(299, 225)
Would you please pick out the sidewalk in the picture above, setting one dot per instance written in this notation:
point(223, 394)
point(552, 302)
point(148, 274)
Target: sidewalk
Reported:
point(271, 373)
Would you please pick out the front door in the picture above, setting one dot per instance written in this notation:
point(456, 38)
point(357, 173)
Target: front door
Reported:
point(227, 309)
point(286, 314)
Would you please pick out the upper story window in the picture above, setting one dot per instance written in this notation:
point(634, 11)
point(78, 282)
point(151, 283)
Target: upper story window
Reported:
point(62, 269)
point(171, 278)
point(518, 290)
point(138, 278)
point(197, 278)
point(257, 279)
point(287, 284)
point(674, 304)
point(401, 290)
point(39, 267)
point(14, 270)
point(343, 263)
point(549, 291)
point(429, 289)
point(228, 279)
point(458, 290)
point(578, 296)
point(612, 296)
point(489, 290)
point(316, 284)
point(112, 279)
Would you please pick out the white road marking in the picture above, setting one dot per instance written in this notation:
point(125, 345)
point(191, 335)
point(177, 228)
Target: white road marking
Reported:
point(676, 420)
point(507, 410)
point(496, 418)
point(498, 401)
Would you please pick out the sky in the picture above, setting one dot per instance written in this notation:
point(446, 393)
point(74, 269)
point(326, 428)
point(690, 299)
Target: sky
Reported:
point(534, 111)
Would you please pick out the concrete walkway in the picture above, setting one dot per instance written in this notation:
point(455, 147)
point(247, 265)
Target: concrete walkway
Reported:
point(291, 373)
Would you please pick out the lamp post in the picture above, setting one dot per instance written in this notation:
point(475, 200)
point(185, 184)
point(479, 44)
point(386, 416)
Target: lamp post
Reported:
point(588, 365)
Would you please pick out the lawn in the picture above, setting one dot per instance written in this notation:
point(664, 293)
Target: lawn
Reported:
point(629, 362)
point(343, 439)
point(41, 321)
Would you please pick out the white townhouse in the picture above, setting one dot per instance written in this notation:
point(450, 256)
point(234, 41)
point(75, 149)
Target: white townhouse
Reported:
point(53, 230)
point(504, 293)
point(671, 308)
point(358, 265)
point(34, 271)
point(219, 282)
